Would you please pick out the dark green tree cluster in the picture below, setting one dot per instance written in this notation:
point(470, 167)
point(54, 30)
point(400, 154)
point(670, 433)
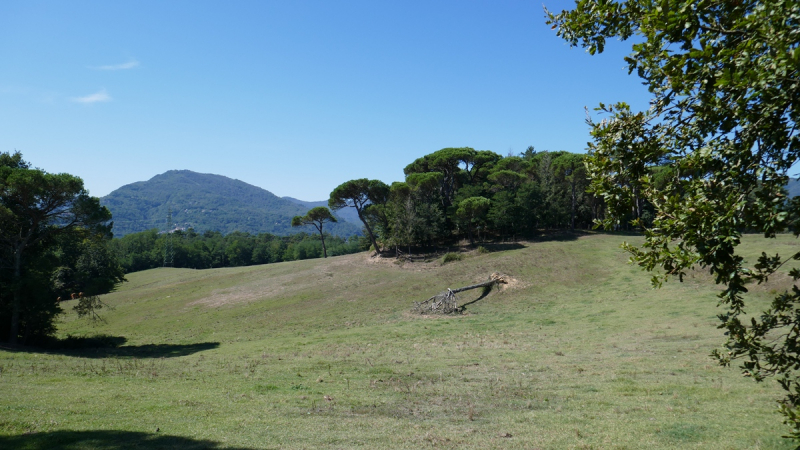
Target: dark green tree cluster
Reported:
point(459, 193)
point(723, 125)
point(53, 244)
point(211, 249)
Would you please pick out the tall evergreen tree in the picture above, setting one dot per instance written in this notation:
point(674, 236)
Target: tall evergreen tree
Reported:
point(36, 210)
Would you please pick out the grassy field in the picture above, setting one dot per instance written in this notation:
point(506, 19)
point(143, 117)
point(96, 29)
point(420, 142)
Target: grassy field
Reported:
point(578, 352)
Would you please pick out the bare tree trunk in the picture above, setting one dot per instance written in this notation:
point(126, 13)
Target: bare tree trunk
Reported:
point(322, 237)
point(369, 231)
point(447, 302)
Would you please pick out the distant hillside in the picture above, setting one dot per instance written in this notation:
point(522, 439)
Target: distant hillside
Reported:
point(348, 214)
point(793, 187)
point(206, 202)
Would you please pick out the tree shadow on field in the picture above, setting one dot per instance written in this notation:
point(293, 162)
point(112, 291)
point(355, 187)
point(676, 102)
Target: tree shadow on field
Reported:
point(573, 235)
point(484, 292)
point(106, 440)
point(560, 235)
point(105, 346)
point(501, 246)
point(542, 236)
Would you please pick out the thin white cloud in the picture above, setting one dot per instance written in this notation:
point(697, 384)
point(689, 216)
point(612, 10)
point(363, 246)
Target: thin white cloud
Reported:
point(99, 96)
point(124, 66)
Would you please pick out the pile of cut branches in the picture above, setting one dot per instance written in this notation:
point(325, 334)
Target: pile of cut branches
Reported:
point(446, 302)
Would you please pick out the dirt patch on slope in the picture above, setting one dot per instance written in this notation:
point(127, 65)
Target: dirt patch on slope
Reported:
point(341, 272)
point(298, 275)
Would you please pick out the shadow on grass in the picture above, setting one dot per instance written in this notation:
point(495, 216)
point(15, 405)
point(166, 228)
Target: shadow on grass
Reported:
point(500, 246)
point(543, 236)
point(572, 235)
point(559, 235)
point(105, 346)
point(484, 292)
point(106, 440)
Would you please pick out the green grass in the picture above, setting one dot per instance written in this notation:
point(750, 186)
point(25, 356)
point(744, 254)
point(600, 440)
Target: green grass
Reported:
point(579, 352)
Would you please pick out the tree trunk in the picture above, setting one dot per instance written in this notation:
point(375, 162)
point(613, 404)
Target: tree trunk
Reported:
point(369, 230)
point(447, 302)
point(322, 237)
point(474, 286)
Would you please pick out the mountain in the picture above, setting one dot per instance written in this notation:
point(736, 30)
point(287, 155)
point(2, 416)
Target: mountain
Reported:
point(207, 202)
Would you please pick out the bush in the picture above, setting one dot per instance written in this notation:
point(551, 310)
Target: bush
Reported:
point(450, 257)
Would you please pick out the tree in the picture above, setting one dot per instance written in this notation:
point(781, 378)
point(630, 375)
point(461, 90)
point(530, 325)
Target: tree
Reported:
point(360, 194)
point(316, 217)
point(450, 163)
point(724, 116)
point(36, 209)
point(88, 266)
point(471, 211)
point(554, 214)
point(529, 153)
point(570, 169)
point(413, 217)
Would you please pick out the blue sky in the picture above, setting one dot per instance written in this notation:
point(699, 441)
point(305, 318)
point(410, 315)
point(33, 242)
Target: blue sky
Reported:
point(295, 97)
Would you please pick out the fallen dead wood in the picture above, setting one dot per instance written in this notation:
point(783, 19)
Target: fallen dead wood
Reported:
point(447, 302)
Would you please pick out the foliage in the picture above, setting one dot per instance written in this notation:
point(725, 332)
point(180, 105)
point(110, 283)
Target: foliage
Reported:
point(455, 167)
point(316, 217)
point(366, 197)
point(87, 265)
point(88, 306)
point(145, 250)
point(472, 211)
point(52, 240)
point(451, 193)
point(451, 257)
point(726, 100)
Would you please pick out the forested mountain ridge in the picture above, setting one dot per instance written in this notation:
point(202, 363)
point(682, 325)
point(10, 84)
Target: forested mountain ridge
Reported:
point(205, 202)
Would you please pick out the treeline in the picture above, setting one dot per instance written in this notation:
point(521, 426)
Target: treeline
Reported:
point(448, 195)
point(462, 193)
point(146, 249)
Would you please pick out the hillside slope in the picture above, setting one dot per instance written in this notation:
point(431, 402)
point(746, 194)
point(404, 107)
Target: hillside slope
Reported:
point(205, 202)
point(578, 352)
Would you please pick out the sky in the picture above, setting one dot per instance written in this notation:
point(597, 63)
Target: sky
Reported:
point(295, 97)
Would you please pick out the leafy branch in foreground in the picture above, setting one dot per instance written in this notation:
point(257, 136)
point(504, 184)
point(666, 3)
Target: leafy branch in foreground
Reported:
point(711, 155)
